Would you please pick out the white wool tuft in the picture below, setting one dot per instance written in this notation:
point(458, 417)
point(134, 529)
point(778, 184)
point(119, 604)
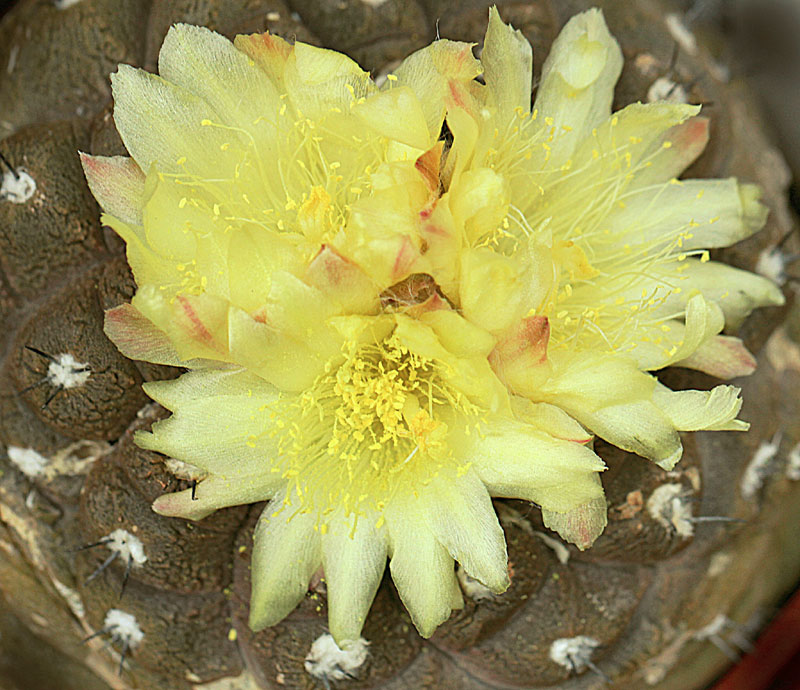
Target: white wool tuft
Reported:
point(68, 372)
point(27, 460)
point(664, 89)
point(128, 545)
point(64, 4)
point(668, 506)
point(574, 653)
point(327, 661)
point(17, 188)
point(772, 264)
point(123, 627)
point(758, 468)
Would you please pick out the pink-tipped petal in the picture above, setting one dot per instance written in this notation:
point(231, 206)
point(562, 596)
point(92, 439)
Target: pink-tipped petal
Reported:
point(519, 357)
point(118, 185)
point(137, 337)
point(721, 356)
point(343, 281)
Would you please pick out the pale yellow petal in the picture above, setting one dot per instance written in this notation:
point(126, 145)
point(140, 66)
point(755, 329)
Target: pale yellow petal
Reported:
point(137, 337)
point(217, 492)
point(640, 427)
point(587, 381)
point(286, 553)
point(687, 215)
point(507, 62)
point(269, 52)
point(354, 560)
point(220, 422)
point(320, 81)
point(736, 291)
point(691, 410)
point(550, 419)
point(433, 72)
point(197, 325)
point(581, 525)
point(421, 568)
point(516, 460)
point(578, 78)
point(702, 321)
point(496, 290)
point(162, 123)
point(459, 512)
point(206, 64)
point(343, 282)
point(396, 114)
point(287, 362)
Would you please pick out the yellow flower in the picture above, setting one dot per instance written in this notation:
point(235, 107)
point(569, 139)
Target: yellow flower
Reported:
point(383, 331)
point(585, 206)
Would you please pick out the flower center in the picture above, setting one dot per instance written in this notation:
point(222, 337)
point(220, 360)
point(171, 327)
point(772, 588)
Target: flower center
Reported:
point(371, 424)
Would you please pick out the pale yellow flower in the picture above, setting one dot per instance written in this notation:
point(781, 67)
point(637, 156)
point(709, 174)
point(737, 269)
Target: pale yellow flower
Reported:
point(384, 332)
point(576, 219)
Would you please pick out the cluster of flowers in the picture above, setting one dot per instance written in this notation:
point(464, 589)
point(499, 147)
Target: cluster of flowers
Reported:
point(397, 302)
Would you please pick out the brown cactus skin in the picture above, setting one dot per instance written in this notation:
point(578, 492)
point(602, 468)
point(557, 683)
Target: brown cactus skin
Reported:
point(641, 591)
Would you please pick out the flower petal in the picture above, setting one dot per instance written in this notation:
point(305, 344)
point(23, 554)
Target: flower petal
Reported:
point(515, 460)
point(496, 290)
point(736, 291)
point(688, 215)
point(118, 185)
point(640, 427)
point(217, 492)
point(148, 267)
point(354, 560)
point(459, 512)
point(578, 78)
point(269, 52)
point(434, 72)
point(588, 381)
point(197, 325)
point(703, 320)
point(396, 114)
point(507, 61)
point(286, 553)
point(713, 410)
point(421, 568)
point(343, 282)
point(162, 123)
point(137, 337)
point(550, 419)
point(220, 421)
point(288, 363)
point(520, 358)
point(321, 81)
point(581, 525)
point(208, 65)
point(721, 356)
point(686, 141)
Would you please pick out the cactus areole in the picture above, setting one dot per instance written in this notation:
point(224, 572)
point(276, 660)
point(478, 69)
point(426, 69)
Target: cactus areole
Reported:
point(386, 326)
